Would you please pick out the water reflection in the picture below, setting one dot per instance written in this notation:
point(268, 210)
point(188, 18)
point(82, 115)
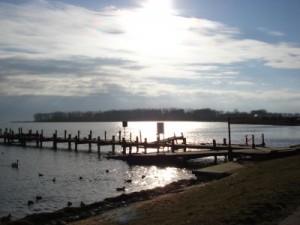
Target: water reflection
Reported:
point(19, 186)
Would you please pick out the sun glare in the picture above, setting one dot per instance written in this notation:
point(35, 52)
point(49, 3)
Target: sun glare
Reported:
point(152, 27)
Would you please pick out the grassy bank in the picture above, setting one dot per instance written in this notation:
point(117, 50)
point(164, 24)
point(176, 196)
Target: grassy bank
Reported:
point(262, 193)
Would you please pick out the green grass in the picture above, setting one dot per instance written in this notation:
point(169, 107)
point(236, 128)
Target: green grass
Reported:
point(260, 194)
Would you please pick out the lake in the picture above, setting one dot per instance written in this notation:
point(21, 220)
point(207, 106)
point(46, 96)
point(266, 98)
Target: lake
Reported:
point(17, 186)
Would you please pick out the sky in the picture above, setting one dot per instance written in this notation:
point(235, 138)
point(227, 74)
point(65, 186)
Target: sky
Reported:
point(79, 55)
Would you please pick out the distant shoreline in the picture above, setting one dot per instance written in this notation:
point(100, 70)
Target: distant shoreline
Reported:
point(246, 121)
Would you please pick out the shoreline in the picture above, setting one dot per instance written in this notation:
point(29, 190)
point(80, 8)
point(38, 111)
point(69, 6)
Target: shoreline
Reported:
point(71, 214)
point(239, 122)
point(283, 207)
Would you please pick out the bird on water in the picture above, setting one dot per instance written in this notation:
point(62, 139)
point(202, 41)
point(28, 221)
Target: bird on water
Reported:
point(15, 164)
point(121, 188)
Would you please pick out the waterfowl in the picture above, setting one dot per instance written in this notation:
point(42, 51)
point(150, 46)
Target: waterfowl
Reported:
point(40, 174)
point(15, 164)
point(53, 180)
point(128, 181)
point(37, 198)
point(80, 178)
point(143, 176)
point(69, 204)
point(107, 171)
point(29, 202)
point(121, 189)
point(5, 219)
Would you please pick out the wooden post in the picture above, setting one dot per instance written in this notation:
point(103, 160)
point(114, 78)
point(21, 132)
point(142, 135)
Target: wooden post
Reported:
point(130, 148)
point(78, 135)
point(98, 145)
point(120, 133)
point(184, 142)
point(246, 140)
point(90, 139)
point(253, 141)
point(230, 157)
point(137, 144)
point(65, 134)
point(124, 146)
point(69, 142)
point(173, 146)
point(41, 138)
point(224, 141)
point(140, 135)
point(145, 146)
point(214, 143)
point(76, 143)
point(113, 145)
point(54, 141)
point(263, 144)
point(216, 160)
point(157, 141)
point(105, 135)
point(37, 138)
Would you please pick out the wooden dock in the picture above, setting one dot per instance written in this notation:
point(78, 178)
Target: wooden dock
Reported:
point(168, 151)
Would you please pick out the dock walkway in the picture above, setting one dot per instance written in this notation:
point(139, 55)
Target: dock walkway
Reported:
point(172, 150)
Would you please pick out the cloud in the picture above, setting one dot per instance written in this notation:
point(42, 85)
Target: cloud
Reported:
point(273, 33)
point(48, 48)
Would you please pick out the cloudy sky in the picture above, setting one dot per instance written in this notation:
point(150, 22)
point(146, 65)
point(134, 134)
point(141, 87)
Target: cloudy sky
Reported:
point(79, 55)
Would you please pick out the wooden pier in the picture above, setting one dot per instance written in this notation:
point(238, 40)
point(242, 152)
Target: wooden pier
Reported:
point(172, 150)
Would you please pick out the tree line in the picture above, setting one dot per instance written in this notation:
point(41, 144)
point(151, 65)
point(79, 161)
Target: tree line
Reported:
point(170, 114)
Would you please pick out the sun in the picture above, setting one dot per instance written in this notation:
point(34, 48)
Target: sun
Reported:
point(153, 27)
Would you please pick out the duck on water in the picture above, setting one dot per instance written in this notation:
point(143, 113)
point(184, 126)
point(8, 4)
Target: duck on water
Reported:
point(15, 164)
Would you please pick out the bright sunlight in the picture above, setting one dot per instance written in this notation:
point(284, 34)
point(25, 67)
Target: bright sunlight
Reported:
point(153, 28)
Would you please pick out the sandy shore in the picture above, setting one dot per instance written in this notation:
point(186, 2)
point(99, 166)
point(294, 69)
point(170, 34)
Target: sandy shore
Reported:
point(261, 193)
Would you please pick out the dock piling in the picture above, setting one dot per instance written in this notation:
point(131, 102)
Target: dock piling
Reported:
point(137, 144)
point(263, 144)
point(124, 146)
point(184, 142)
point(145, 146)
point(37, 138)
point(113, 145)
point(69, 142)
point(214, 143)
point(253, 141)
point(98, 145)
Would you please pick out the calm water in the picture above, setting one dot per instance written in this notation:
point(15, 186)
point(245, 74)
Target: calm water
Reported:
point(19, 186)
